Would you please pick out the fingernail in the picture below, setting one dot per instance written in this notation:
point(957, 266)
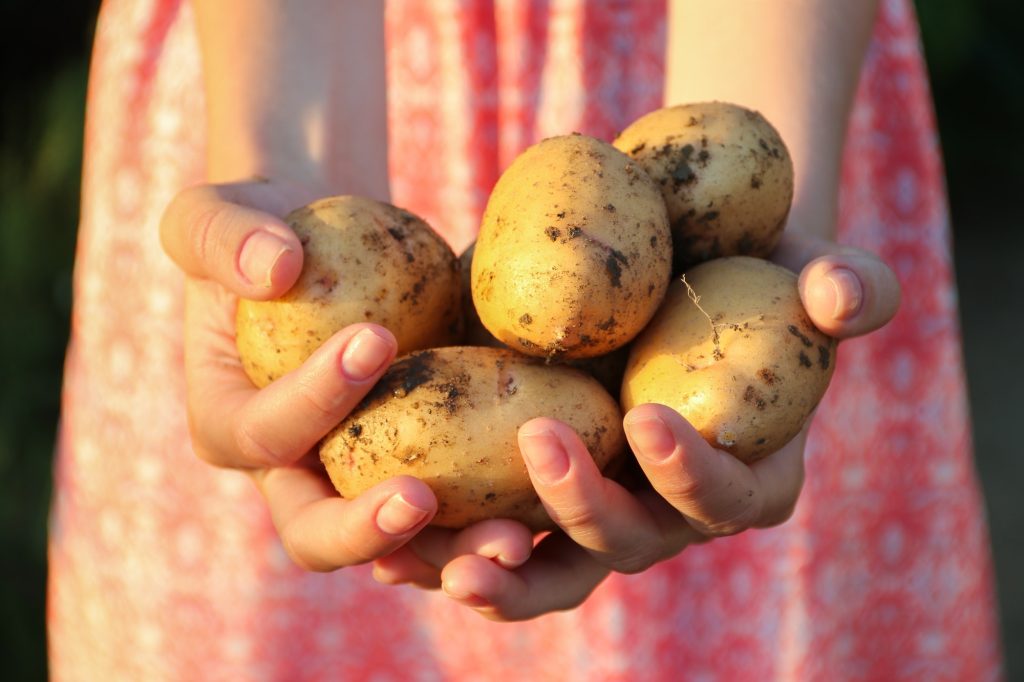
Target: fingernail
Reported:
point(464, 596)
point(506, 562)
point(259, 255)
point(849, 293)
point(652, 438)
point(545, 456)
point(396, 516)
point(365, 355)
point(839, 291)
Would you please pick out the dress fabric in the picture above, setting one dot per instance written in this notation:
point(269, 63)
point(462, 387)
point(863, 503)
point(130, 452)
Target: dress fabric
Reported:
point(163, 568)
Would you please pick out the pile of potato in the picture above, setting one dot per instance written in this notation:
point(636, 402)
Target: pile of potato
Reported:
point(638, 262)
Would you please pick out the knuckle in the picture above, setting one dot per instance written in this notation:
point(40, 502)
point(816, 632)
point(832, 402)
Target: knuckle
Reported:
point(637, 559)
point(353, 548)
point(295, 550)
point(254, 450)
point(324, 548)
point(320, 405)
point(576, 517)
point(778, 517)
point(733, 521)
point(205, 232)
point(687, 490)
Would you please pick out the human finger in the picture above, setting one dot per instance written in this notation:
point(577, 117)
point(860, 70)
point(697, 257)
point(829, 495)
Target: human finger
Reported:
point(506, 542)
point(781, 477)
point(559, 576)
point(596, 512)
point(404, 567)
point(848, 295)
point(847, 291)
point(276, 425)
point(249, 251)
point(717, 493)
point(323, 532)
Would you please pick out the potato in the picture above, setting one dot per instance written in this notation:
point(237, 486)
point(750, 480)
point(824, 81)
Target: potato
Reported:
point(450, 416)
point(736, 354)
point(365, 261)
point(726, 176)
point(475, 334)
point(574, 251)
point(607, 369)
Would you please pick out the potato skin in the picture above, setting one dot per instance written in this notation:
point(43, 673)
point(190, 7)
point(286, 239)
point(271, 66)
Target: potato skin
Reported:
point(751, 392)
point(607, 369)
point(450, 417)
point(574, 251)
point(725, 174)
point(474, 331)
point(364, 261)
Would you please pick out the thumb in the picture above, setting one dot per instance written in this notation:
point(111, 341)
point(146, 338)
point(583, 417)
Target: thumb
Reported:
point(250, 252)
point(849, 294)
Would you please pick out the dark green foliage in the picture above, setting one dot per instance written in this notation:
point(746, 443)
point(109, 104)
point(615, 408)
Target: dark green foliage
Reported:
point(976, 61)
point(975, 51)
point(40, 167)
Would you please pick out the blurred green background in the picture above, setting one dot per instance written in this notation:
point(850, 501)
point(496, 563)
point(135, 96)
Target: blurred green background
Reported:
point(977, 68)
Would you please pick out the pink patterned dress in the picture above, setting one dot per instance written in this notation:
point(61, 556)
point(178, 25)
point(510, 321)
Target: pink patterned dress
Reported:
point(163, 568)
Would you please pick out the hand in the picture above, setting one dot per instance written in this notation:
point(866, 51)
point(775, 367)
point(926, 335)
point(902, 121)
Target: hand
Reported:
point(695, 492)
point(230, 242)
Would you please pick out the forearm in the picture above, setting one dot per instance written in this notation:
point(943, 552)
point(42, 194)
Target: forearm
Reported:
point(296, 90)
point(796, 61)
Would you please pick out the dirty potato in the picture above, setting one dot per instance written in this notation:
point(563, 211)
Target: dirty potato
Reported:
point(364, 261)
point(607, 369)
point(725, 174)
point(574, 251)
point(475, 334)
point(450, 417)
point(733, 351)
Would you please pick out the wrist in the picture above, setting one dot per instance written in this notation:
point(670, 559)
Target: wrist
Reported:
point(296, 91)
point(276, 150)
point(815, 209)
point(240, 153)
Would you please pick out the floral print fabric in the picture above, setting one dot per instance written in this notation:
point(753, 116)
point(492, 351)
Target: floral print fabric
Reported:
point(163, 568)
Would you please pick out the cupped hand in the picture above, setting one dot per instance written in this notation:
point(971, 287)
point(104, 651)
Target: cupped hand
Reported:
point(693, 492)
point(231, 242)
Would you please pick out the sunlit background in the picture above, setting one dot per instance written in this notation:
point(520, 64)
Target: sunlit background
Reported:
point(976, 59)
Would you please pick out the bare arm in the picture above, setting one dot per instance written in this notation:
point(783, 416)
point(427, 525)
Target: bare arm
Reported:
point(796, 61)
point(296, 90)
point(295, 93)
